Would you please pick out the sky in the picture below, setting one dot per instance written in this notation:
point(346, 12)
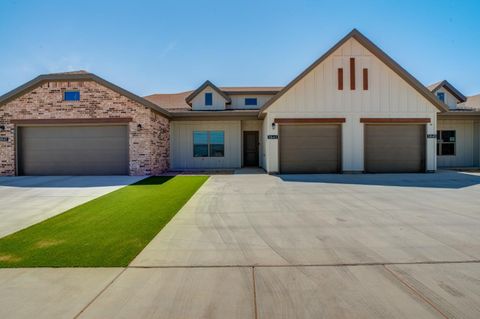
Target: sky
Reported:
point(151, 47)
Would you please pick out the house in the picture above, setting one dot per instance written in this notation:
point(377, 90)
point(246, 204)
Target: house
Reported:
point(353, 110)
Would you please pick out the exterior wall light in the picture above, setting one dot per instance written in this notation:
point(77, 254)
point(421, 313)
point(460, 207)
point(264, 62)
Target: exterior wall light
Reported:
point(273, 125)
point(139, 126)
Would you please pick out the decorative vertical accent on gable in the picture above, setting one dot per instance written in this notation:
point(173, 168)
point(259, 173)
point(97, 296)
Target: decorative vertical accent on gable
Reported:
point(340, 78)
point(352, 73)
point(365, 79)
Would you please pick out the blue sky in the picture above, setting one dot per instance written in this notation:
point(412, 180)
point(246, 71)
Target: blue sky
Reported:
point(170, 46)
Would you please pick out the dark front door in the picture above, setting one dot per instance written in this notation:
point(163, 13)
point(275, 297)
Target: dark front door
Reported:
point(250, 148)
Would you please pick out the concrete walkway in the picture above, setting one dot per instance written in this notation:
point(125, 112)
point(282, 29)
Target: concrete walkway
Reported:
point(27, 200)
point(259, 246)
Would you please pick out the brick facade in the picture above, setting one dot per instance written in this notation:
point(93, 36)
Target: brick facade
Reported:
point(148, 143)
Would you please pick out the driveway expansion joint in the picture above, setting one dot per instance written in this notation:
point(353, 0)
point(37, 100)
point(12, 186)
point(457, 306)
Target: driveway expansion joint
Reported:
point(100, 293)
point(255, 309)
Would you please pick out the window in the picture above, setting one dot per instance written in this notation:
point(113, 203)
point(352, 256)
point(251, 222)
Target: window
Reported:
point(251, 101)
point(446, 143)
point(200, 144)
point(217, 144)
point(71, 96)
point(208, 144)
point(441, 96)
point(208, 99)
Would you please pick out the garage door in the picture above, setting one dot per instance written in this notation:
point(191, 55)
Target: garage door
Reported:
point(394, 148)
point(73, 150)
point(309, 148)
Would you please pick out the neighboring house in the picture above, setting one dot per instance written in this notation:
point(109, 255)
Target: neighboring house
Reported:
point(458, 133)
point(352, 110)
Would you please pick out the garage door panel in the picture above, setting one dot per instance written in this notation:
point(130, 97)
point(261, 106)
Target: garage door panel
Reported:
point(309, 148)
point(326, 142)
point(76, 150)
point(394, 148)
point(304, 155)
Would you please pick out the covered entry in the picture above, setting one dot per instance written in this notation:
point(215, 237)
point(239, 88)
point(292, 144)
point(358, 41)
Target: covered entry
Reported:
point(395, 148)
point(309, 147)
point(73, 150)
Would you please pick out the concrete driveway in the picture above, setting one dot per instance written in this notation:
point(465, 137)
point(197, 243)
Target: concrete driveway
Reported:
point(262, 220)
point(27, 200)
point(260, 246)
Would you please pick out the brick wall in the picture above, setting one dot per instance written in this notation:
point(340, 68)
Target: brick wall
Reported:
point(149, 144)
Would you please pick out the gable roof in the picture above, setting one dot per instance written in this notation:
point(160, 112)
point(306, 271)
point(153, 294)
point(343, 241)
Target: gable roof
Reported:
point(202, 87)
point(78, 76)
point(450, 88)
point(382, 56)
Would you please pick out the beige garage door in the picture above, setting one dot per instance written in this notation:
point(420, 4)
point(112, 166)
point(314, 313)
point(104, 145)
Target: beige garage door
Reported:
point(73, 150)
point(309, 148)
point(394, 148)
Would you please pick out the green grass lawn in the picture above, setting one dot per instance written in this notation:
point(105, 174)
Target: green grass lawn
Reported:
point(108, 231)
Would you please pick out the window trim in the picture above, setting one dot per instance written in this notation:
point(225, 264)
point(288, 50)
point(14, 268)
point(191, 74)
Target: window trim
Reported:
point(209, 144)
point(71, 91)
point(251, 99)
point(440, 143)
point(210, 94)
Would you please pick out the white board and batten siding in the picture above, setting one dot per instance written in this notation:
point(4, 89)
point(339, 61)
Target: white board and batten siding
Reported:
point(317, 96)
point(198, 102)
point(181, 144)
point(450, 100)
point(466, 145)
point(238, 101)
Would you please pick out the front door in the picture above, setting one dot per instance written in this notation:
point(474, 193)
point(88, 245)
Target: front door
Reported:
point(250, 148)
